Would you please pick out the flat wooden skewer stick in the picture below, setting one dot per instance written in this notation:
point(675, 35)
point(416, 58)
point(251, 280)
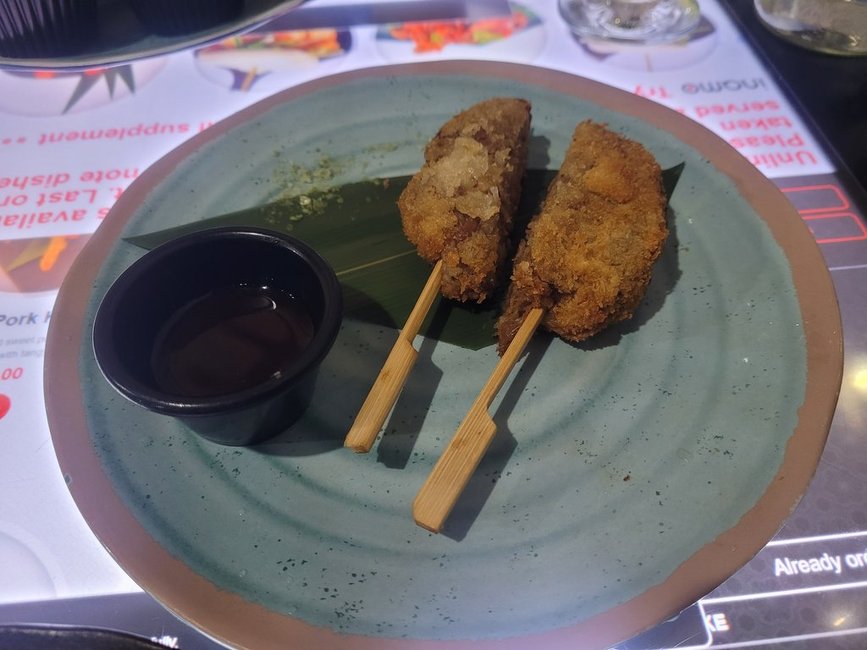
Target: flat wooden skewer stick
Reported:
point(452, 472)
point(383, 394)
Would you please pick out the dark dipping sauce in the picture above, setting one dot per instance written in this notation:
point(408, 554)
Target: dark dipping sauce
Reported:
point(230, 340)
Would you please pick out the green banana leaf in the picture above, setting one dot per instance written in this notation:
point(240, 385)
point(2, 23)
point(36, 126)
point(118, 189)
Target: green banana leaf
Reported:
point(356, 227)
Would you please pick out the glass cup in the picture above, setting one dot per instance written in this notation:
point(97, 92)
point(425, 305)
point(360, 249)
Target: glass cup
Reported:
point(831, 26)
point(631, 21)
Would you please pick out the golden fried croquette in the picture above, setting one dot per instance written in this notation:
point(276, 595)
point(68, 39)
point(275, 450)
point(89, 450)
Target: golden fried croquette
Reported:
point(460, 206)
point(587, 255)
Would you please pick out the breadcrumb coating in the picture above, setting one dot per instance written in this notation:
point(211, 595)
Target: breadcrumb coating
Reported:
point(461, 205)
point(587, 255)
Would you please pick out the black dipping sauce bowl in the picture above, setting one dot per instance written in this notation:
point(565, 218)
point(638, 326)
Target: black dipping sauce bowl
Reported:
point(224, 329)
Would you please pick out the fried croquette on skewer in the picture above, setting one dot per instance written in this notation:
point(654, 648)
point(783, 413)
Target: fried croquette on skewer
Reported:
point(460, 206)
point(584, 263)
point(458, 211)
point(587, 256)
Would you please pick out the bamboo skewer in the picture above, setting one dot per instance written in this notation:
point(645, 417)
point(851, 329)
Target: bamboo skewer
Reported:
point(452, 472)
point(385, 390)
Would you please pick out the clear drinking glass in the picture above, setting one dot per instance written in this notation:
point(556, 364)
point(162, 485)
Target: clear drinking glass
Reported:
point(832, 26)
point(635, 21)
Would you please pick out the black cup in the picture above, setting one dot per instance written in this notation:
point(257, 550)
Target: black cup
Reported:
point(149, 295)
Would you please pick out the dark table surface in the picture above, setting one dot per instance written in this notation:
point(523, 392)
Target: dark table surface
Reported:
point(831, 91)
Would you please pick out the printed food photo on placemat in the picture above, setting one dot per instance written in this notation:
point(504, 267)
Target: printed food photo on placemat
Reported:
point(519, 37)
point(271, 59)
point(40, 264)
point(58, 92)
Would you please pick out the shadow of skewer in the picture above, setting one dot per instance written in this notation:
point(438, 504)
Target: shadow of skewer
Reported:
point(403, 426)
point(503, 446)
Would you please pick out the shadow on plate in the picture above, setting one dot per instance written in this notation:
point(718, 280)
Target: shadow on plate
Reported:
point(503, 446)
point(403, 426)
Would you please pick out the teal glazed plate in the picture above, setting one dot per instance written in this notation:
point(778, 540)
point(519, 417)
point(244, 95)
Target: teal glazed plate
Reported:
point(630, 475)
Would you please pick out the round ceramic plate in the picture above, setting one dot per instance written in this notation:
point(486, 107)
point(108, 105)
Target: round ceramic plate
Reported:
point(630, 474)
point(122, 38)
